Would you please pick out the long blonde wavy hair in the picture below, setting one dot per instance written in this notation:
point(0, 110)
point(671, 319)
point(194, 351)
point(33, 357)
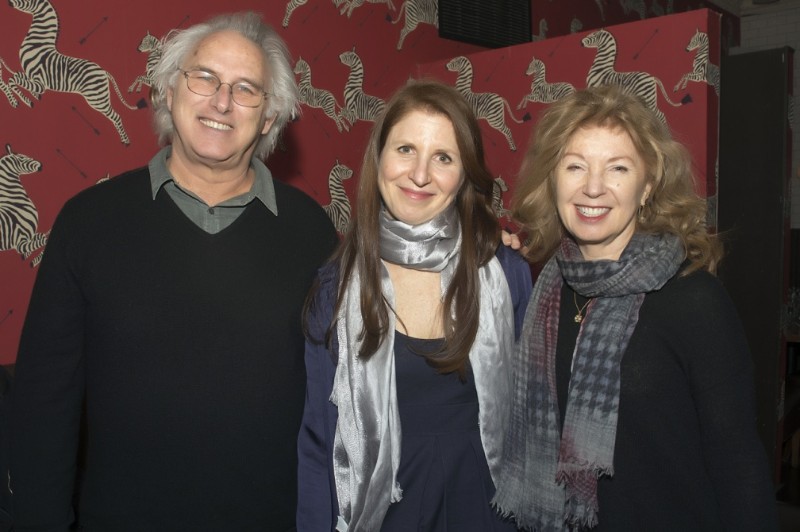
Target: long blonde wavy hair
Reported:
point(673, 206)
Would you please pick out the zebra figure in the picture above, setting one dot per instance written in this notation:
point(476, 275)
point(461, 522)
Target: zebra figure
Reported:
point(417, 12)
point(319, 98)
point(357, 104)
point(12, 98)
point(19, 218)
point(45, 68)
point(634, 5)
point(601, 6)
point(542, 35)
point(152, 46)
point(641, 84)
point(290, 7)
point(702, 68)
point(499, 187)
point(350, 5)
point(541, 90)
point(338, 210)
point(487, 105)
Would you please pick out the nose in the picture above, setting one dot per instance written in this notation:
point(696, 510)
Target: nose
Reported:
point(419, 174)
point(595, 184)
point(223, 98)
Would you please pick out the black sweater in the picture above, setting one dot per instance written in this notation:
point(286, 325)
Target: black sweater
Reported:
point(188, 347)
point(687, 454)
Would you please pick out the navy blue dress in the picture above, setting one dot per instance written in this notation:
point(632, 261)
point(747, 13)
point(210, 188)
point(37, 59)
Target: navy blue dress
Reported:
point(443, 471)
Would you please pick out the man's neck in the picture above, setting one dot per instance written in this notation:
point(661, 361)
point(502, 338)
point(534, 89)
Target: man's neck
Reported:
point(213, 185)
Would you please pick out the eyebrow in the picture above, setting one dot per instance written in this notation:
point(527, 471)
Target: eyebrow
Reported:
point(612, 159)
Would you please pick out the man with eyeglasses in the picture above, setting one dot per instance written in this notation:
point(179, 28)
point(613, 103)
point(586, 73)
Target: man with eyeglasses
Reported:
point(169, 306)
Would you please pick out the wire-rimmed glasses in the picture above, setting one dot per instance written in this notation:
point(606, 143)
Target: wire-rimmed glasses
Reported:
point(205, 83)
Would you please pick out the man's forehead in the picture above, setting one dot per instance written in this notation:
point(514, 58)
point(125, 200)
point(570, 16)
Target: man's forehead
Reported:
point(226, 50)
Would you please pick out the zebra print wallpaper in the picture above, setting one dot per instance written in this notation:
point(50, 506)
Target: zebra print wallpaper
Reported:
point(75, 105)
point(670, 62)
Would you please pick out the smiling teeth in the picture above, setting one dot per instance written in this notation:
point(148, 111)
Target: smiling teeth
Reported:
point(215, 125)
point(593, 211)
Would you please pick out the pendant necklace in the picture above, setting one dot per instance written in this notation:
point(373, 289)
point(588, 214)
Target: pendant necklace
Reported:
point(579, 316)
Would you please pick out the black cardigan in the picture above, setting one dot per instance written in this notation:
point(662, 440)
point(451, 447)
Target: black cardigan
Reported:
point(188, 347)
point(687, 454)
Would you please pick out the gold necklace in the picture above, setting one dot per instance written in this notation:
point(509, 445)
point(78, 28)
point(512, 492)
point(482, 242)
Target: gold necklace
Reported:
point(579, 316)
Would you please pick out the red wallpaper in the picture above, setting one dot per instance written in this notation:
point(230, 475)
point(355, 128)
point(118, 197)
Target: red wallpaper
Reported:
point(650, 57)
point(76, 145)
point(551, 18)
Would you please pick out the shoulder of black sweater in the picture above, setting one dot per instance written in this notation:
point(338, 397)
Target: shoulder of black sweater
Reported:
point(95, 205)
point(694, 318)
point(694, 294)
point(295, 203)
point(123, 189)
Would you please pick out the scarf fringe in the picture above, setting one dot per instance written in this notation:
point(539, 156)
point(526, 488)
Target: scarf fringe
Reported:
point(575, 472)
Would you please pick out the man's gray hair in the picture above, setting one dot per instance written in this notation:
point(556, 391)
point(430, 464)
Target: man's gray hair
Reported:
point(282, 104)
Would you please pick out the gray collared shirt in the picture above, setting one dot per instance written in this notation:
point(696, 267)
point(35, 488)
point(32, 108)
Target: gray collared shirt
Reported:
point(211, 219)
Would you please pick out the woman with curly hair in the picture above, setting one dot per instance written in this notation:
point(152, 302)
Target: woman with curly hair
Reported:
point(633, 400)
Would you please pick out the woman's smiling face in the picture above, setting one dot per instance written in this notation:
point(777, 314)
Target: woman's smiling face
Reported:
point(420, 170)
point(600, 183)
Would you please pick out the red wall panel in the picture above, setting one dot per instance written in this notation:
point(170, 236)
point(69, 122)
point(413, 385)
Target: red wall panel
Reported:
point(77, 145)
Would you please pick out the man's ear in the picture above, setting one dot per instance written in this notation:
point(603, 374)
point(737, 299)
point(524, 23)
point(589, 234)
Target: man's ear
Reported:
point(267, 124)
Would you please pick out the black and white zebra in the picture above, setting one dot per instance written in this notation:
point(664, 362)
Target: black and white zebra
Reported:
point(12, 98)
point(45, 68)
point(703, 70)
point(358, 105)
point(152, 46)
point(19, 218)
point(318, 98)
point(499, 187)
point(641, 84)
point(541, 90)
point(350, 5)
point(417, 12)
point(338, 209)
point(486, 105)
point(290, 7)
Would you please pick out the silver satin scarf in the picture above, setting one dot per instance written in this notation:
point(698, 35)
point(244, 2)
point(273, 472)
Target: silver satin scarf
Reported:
point(368, 434)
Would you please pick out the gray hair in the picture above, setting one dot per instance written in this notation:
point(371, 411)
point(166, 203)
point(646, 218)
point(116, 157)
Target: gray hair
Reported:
point(282, 103)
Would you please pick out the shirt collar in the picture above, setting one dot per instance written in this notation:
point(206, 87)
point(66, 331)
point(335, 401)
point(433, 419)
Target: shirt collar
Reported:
point(263, 187)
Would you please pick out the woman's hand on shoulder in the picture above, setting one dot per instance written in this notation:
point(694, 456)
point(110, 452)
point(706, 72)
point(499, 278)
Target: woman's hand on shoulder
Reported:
point(513, 241)
point(510, 239)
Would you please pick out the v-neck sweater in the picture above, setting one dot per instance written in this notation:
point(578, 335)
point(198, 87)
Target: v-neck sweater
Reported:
point(189, 348)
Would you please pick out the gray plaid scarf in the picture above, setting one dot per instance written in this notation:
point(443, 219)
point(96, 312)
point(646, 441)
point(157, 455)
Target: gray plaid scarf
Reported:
point(550, 483)
point(366, 450)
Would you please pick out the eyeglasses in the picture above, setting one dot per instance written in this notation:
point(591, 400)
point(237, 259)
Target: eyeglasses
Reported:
point(206, 84)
